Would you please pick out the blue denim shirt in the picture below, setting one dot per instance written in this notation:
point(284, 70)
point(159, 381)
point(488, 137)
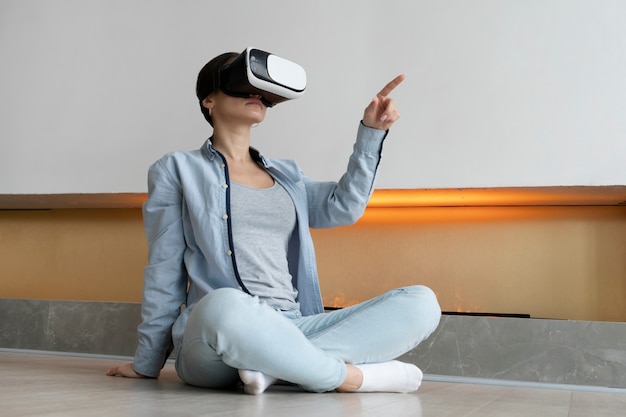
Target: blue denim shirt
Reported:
point(187, 223)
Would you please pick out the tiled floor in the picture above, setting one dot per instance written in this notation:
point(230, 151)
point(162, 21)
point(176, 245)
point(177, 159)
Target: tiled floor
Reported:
point(52, 385)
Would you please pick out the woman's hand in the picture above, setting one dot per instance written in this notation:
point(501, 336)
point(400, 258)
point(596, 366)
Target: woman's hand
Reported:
point(125, 370)
point(382, 112)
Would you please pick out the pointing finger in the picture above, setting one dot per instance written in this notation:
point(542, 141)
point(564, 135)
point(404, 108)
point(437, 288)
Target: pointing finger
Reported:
point(391, 85)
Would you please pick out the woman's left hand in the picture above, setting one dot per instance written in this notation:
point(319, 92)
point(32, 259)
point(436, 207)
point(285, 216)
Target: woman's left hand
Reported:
point(382, 112)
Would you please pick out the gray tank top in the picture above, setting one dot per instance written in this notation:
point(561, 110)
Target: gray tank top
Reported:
point(263, 221)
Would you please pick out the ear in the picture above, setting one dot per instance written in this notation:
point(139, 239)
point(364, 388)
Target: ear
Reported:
point(208, 102)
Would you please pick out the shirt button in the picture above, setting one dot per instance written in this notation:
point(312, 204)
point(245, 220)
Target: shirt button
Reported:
point(225, 217)
point(222, 166)
point(229, 252)
point(225, 186)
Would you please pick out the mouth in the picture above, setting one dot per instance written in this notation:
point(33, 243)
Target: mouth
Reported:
point(255, 101)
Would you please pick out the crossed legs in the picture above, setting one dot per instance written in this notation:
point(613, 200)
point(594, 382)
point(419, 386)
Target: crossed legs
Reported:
point(231, 336)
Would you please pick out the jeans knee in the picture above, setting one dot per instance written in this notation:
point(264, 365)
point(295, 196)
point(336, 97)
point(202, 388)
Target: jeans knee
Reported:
point(423, 305)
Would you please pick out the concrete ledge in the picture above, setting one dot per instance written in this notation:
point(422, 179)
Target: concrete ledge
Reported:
point(542, 351)
point(530, 350)
point(69, 326)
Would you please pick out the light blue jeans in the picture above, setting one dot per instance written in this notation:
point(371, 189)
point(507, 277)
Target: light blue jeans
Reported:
point(230, 330)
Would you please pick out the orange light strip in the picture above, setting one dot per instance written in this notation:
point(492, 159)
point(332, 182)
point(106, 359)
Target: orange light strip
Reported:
point(495, 197)
point(382, 198)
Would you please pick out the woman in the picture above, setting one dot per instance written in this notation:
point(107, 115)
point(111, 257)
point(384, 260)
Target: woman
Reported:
point(228, 234)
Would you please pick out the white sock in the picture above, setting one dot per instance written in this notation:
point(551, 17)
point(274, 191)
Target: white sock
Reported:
point(255, 382)
point(392, 376)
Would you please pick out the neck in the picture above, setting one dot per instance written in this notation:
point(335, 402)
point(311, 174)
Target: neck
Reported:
point(233, 144)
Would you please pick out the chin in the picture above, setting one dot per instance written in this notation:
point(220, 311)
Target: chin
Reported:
point(258, 120)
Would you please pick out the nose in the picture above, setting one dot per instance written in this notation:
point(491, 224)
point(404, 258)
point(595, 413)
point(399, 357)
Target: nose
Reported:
point(255, 95)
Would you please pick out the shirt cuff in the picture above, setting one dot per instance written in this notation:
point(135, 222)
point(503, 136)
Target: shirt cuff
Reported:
point(148, 362)
point(370, 140)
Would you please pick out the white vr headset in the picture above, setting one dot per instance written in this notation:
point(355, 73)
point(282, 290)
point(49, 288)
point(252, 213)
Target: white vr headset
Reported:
point(255, 72)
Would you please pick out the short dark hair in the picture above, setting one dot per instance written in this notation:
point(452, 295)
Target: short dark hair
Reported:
point(207, 80)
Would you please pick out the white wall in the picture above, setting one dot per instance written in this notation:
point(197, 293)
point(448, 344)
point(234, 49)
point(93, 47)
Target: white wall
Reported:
point(498, 93)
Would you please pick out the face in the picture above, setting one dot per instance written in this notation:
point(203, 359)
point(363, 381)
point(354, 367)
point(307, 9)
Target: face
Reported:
point(228, 110)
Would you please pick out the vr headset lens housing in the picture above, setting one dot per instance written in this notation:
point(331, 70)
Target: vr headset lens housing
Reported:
point(256, 72)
